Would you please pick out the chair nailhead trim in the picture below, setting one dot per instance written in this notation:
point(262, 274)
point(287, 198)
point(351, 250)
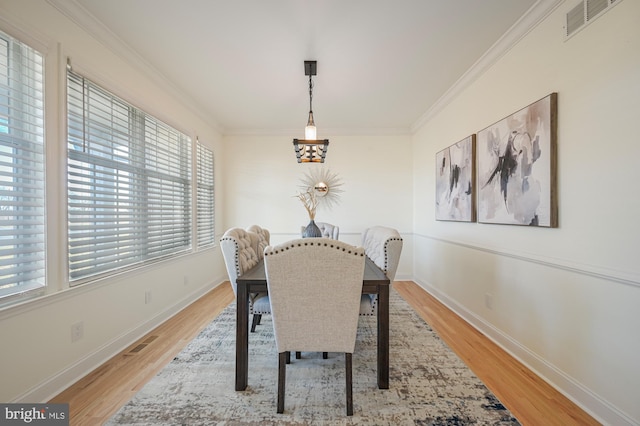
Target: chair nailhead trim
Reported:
point(237, 262)
point(386, 254)
point(311, 243)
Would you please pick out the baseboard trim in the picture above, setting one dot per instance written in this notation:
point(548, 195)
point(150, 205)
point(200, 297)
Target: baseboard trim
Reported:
point(595, 406)
point(54, 385)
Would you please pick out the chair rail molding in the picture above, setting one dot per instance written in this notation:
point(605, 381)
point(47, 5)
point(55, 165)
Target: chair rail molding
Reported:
point(622, 277)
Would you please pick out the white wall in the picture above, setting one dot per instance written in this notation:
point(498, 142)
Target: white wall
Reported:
point(38, 359)
point(565, 300)
point(263, 178)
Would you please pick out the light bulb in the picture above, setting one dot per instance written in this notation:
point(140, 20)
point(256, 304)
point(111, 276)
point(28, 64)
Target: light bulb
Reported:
point(310, 132)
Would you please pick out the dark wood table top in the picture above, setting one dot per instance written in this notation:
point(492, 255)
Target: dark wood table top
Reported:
point(373, 277)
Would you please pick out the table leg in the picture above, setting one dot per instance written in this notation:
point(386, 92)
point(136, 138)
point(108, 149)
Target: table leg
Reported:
point(242, 337)
point(383, 336)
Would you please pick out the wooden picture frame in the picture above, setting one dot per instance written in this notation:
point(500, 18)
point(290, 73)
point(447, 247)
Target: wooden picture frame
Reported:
point(455, 182)
point(516, 163)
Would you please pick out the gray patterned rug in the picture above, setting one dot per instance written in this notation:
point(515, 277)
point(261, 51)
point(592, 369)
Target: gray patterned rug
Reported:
point(429, 384)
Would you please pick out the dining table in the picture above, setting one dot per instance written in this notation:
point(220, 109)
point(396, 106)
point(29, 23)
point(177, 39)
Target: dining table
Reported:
point(255, 281)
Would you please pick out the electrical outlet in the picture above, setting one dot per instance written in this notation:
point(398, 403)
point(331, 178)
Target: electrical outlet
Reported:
point(186, 280)
point(147, 297)
point(488, 300)
point(77, 331)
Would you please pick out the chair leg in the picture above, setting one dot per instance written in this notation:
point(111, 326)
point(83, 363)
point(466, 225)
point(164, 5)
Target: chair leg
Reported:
point(281, 379)
point(255, 321)
point(349, 380)
point(288, 357)
point(298, 355)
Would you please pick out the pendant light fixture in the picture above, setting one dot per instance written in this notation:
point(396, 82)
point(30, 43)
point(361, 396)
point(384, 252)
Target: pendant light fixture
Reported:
point(310, 149)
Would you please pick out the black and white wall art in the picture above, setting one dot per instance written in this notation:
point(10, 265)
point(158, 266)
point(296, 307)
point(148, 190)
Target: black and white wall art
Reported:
point(516, 160)
point(455, 176)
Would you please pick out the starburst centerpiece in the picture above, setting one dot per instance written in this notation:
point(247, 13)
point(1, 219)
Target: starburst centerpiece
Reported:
point(325, 186)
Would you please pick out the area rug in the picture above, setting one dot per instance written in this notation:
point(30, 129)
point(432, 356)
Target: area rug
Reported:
point(429, 384)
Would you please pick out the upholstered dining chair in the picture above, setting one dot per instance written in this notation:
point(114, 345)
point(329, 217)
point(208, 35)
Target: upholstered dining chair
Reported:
point(314, 309)
point(264, 238)
point(239, 249)
point(383, 245)
point(326, 229)
point(261, 305)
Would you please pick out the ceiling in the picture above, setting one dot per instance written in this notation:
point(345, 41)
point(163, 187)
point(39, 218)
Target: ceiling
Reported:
point(382, 64)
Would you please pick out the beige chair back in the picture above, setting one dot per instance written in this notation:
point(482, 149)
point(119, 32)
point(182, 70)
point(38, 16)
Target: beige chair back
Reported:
point(314, 287)
point(264, 239)
point(239, 251)
point(383, 245)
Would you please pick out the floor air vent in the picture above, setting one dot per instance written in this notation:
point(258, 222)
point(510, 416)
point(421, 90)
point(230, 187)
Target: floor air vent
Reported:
point(142, 345)
point(150, 339)
point(138, 348)
point(584, 13)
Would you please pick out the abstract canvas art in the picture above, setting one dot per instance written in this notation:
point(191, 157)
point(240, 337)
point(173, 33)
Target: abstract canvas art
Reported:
point(517, 167)
point(455, 188)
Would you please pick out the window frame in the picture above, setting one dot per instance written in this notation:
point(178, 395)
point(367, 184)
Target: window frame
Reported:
point(205, 197)
point(22, 171)
point(127, 159)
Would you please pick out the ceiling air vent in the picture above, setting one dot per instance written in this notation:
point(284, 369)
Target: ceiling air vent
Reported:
point(584, 13)
point(575, 19)
point(594, 7)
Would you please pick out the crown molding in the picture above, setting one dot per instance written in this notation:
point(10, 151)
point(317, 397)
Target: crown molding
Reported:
point(326, 132)
point(87, 22)
point(527, 22)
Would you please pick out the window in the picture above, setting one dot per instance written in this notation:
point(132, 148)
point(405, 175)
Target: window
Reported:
point(129, 184)
point(205, 196)
point(22, 205)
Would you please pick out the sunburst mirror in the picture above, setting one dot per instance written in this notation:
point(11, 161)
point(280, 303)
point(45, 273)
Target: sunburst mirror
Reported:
point(325, 184)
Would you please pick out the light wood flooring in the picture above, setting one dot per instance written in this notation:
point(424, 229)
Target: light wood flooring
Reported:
point(96, 397)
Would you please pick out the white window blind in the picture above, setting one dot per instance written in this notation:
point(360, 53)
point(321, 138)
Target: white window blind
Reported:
point(205, 196)
point(22, 241)
point(129, 184)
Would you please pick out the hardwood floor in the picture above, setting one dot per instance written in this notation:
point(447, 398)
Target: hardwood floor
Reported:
point(530, 399)
point(96, 397)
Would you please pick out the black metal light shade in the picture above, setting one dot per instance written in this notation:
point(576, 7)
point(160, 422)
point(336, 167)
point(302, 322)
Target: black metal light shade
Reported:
point(311, 151)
